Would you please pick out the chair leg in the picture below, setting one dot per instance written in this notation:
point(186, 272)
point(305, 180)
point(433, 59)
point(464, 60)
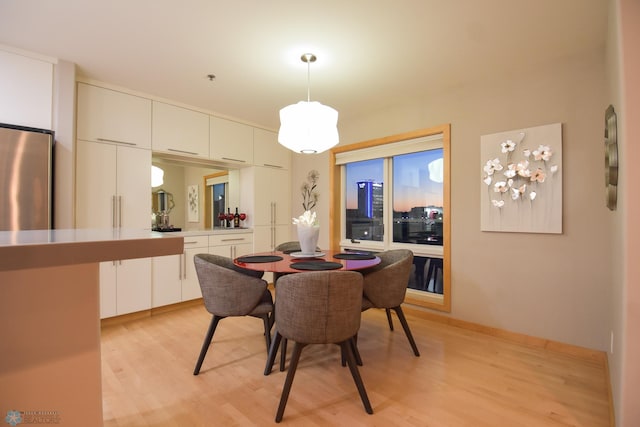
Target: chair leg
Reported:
point(389, 318)
point(407, 331)
point(293, 365)
point(283, 354)
point(207, 340)
point(346, 347)
point(354, 347)
point(267, 330)
point(273, 350)
point(356, 352)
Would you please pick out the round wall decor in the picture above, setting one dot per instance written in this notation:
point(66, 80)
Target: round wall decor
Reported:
point(611, 158)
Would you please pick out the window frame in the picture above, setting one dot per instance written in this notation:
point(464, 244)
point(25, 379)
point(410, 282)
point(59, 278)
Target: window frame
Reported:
point(337, 217)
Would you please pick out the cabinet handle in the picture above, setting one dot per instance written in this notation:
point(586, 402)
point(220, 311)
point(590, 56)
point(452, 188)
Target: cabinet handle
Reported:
point(182, 151)
point(116, 141)
point(239, 239)
point(113, 211)
point(192, 242)
point(119, 211)
point(234, 160)
point(272, 166)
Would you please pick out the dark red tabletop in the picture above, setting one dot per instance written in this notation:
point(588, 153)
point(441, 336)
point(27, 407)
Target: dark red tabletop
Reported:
point(284, 265)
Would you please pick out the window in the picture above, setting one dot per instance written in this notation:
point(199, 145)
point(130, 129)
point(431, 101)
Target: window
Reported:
point(393, 193)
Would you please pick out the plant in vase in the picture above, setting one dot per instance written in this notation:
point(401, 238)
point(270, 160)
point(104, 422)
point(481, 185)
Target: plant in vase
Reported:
point(307, 223)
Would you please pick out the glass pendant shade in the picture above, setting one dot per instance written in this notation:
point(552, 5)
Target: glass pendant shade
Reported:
point(308, 127)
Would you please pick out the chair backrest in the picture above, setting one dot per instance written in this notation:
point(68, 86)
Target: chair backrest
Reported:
point(319, 307)
point(292, 246)
point(228, 290)
point(385, 285)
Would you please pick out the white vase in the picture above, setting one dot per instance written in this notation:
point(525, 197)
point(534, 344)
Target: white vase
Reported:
point(308, 237)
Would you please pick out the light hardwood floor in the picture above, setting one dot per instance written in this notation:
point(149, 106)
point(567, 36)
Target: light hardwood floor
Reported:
point(463, 378)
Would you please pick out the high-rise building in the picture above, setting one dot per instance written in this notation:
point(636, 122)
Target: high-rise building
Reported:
point(370, 199)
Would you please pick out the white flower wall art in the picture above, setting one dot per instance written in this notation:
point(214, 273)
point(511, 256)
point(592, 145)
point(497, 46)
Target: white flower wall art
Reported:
point(521, 180)
point(192, 200)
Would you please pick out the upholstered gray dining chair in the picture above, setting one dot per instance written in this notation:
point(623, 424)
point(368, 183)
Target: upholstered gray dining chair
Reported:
point(385, 286)
point(228, 290)
point(319, 307)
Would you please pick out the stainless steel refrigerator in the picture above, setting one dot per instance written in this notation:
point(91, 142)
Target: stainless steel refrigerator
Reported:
point(26, 178)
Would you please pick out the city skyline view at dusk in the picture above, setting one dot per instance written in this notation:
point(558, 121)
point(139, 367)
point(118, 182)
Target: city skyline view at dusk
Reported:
point(417, 179)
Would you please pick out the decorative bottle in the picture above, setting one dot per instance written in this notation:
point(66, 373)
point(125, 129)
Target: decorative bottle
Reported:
point(229, 217)
point(236, 219)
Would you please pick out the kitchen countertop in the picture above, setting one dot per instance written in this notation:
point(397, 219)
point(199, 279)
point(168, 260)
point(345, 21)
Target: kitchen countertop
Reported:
point(47, 248)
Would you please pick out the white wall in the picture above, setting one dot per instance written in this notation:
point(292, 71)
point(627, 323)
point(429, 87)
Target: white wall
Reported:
point(550, 286)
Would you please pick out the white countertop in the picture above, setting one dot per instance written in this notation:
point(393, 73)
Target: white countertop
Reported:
point(48, 248)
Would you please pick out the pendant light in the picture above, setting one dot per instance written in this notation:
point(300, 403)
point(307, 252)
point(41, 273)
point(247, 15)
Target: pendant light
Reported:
point(308, 127)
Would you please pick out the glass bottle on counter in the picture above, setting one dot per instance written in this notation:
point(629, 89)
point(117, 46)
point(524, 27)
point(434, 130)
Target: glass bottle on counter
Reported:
point(229, 217)
point(236, 219)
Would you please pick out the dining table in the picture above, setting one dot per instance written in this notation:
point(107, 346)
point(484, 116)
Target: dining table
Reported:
point(295, 262)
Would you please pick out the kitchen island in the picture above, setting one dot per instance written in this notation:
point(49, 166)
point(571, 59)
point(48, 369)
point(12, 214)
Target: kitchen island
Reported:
point(50, 370)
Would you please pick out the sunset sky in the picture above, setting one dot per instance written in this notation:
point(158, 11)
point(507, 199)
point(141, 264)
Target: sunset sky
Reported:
point(413, 186)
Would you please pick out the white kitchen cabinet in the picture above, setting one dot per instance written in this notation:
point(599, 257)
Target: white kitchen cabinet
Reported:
point(113, 185)
point(112, 191)
point(174, 276)
point(193, 245)
point(268, 191)
point(166, 281)
point(106, 115)
point(231, 245)
point(268, 152)
point(26, 85)
point(125, 286)
point(230, 142)
point(180, 131)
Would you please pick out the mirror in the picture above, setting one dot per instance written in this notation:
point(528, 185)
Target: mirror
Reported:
point(391, 193)
point(179, 177)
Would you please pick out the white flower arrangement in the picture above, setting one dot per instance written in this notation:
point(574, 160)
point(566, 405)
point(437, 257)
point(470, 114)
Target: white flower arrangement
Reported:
point(520, 179)
point(308, 218)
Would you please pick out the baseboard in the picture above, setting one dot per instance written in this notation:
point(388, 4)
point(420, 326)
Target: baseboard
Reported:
point(125, 318)
point(595, 356)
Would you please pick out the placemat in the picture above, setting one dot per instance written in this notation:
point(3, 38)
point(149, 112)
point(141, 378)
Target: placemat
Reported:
point(354, 256)
point(260, 258)
point(316, 265)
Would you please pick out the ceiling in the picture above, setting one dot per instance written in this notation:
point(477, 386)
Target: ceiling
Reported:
point(372, 54)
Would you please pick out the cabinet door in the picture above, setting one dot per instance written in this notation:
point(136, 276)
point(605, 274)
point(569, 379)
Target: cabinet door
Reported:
point(231, 142)
point(109, 115)
point(190, 285)
point(268, 152)
point(272, 192)
point(267, 237)
point(133, 187)
point(166, 280)
point(26, 85)
point(133, 285)
point(95, 185)
point(180, 131)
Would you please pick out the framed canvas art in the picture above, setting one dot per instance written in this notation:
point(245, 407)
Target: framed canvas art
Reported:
point(521, 180)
